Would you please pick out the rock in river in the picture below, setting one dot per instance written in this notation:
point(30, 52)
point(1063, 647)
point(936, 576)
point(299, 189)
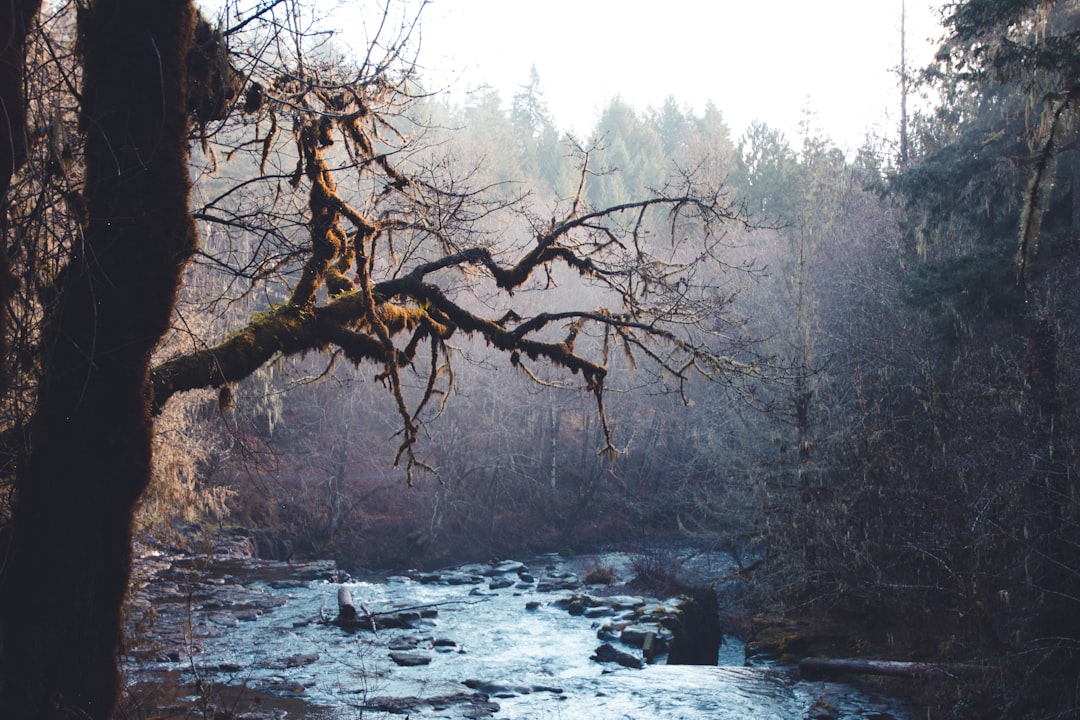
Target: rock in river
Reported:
point(608, 653)
point(410, 659)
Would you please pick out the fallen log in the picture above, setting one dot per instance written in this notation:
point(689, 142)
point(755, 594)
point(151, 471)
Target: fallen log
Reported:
point(350, 618)
point(346, 606)
point(818, 667)
point(428, 606)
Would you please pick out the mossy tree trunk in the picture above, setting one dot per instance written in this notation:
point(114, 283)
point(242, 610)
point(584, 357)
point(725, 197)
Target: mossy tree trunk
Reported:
point(89, 456)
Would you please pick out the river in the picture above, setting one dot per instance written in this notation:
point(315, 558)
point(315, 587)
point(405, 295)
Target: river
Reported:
point(250, 639)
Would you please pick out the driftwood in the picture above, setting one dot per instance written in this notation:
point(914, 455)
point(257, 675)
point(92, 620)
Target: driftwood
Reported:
point(818, 667)
point(345, 605)
point(350, 618)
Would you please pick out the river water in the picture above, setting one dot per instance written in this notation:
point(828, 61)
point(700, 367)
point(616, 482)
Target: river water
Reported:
point(490, 641)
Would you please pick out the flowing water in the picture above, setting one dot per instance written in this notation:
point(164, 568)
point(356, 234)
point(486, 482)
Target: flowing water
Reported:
point(473, 649)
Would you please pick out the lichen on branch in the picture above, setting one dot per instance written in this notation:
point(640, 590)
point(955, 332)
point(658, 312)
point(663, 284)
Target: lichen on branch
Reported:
point(374, 247)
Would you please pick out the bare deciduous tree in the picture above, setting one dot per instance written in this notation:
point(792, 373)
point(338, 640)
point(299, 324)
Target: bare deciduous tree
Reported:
point(323, 208)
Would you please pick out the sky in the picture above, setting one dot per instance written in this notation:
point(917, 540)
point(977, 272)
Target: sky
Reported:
point(764, 60)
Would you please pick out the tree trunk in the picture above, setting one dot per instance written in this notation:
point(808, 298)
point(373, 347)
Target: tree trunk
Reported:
point(89, 460)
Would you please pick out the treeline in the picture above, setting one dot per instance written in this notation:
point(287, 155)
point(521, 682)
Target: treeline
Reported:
point(934, 497)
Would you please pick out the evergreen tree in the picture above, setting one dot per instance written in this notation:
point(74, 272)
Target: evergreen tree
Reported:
point(765, 172)
point(630, 157)
point(538, 141)
point(673, 126)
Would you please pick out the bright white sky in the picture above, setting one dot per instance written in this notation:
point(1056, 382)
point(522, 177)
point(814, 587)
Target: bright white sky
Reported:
point(755, 59)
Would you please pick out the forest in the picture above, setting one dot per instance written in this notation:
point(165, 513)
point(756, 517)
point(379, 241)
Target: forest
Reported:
point(251, 281)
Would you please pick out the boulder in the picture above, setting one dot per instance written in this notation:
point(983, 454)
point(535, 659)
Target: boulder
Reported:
point(636, 635)
point(598, 612)
point(300, 660)
point(410, 659)
point(695, 629)
point(403, 643)
point(281, 686)
point(623, 602)
point(607, 653)
point(176, 653)
point(461, 578)
point(223, 619)
point(608, 633)
point(315, 570)
point(486, 687)
point(504, 568)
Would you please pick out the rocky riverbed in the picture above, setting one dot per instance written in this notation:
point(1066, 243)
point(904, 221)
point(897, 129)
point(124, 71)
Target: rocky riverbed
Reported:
point(222, 636)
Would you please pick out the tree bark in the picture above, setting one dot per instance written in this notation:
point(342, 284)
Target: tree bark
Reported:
point(89, 460)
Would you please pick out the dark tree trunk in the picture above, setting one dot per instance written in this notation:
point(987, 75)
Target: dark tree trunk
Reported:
point(89, 459)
